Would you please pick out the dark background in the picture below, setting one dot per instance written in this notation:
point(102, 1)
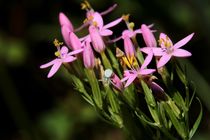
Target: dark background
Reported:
point(34, 107)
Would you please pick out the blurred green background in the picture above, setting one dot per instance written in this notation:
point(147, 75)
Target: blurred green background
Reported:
point(36, 108)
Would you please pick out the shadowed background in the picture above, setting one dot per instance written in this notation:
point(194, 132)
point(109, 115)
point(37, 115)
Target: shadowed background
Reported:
point(36, 108)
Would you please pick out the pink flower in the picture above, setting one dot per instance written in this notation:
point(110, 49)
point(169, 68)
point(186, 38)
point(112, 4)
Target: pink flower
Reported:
point(88, 56)
point(63, 57)
point(95, 18)
point(131, 75)
point(168, 50)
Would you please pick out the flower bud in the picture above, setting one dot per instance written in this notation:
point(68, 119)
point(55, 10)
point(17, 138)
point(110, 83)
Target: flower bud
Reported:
point(148, 36)
point(75, 42)
point(88, 56)
point(96, 39)
point(64, 21)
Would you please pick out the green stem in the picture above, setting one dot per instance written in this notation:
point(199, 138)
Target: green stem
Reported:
point(105, 61)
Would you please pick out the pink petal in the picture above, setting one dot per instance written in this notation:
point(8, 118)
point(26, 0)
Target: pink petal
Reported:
point(148, 36)
point(146, 50)
point(138, 31)
point(157, 51)
point(183, 41)
point(64, 21)
point(165, 38)
point(147, 60)
point(88, 56)
point(96, 39)
point(54, 69)
point(49, 63)
point(75, 52)
point(181, 53)
point(75, 42)
point(105, 32)
point(68, 59)
point(98, 19)
point(124, 79)
point(113, 23)
point(65, 31)
point(146, 71)
point(64, 50)
point(127, 33)
point(163, 60)
point(130, 79)
point(128, 47)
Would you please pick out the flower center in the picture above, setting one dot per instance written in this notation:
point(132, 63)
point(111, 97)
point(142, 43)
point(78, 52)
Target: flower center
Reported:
point(166, 45)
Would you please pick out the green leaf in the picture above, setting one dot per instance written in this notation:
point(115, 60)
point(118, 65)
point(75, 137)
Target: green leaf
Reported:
point(151, 103)
point(142, 118)
point(177, 124)
point(163, 115)
point(114, 61)
point(80, 88)
point(197, 122)
point(148, 94)
point(193, 95)
point(95, 87)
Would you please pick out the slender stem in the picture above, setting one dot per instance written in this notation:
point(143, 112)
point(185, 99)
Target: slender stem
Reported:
point(105, 61)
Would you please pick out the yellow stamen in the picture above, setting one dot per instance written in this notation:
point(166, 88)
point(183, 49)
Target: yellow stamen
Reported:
point(85, 5)
point(126, 61)
point(131, 25)
point(126, 17)
point(86, 20)
point(57, 53)
point(57, 43)
point(95, 23)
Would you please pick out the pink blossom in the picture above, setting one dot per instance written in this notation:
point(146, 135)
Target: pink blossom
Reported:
point(96, 19)
point(131, 75)
point(168, 50)
point(63, 57)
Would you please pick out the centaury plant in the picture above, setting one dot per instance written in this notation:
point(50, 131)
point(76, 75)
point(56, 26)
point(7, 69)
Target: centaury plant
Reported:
point(142, 90)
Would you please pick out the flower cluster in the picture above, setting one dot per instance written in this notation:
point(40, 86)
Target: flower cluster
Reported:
point(125, 72)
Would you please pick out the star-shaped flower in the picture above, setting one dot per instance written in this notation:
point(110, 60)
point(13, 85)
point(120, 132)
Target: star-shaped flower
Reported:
point(63, 57)
point(131, 75)
point(168, 50)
